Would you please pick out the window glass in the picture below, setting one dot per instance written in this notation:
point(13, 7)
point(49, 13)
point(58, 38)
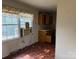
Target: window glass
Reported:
point(9, 26)
point(9, 19)
point(23, 20)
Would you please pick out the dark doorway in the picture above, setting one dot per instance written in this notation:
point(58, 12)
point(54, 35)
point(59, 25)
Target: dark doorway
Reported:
point(53, 35)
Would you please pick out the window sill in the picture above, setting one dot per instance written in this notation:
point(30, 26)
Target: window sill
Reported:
point(16, 38)
point(10, 38)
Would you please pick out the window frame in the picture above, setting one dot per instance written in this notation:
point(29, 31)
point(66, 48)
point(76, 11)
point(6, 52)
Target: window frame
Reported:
point(11, 37)
point(19, 26)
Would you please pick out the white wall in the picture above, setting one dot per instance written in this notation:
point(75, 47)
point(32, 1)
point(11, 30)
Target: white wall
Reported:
point(15, 44)
point(66, 30)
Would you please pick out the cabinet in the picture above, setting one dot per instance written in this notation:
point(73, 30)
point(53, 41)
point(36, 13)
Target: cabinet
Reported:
point(43, 37)
point(45, 19)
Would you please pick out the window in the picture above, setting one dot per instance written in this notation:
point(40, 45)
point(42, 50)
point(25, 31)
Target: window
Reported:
point(9, 26)
point(23, 20)
point(12, 23)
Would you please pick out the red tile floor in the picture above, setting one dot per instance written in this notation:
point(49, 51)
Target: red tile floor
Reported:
point(35, 51)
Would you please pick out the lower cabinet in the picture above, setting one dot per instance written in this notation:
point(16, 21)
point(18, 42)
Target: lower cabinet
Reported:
point(43, 37)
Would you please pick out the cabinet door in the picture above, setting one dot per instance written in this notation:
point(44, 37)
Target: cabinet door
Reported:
point(47, 20)
point(42, 36)
point(50, 19)
point(40, 19)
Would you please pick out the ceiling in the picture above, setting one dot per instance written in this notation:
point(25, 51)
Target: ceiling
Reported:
point(41, 4)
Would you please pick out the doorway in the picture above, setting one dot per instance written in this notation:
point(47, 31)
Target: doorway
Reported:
point(47, 27)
